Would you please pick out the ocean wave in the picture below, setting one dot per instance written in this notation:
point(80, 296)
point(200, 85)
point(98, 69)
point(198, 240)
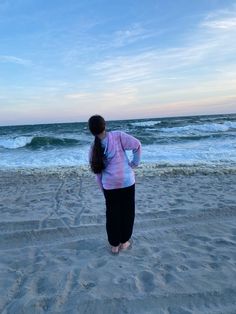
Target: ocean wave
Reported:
point(146, 123)
point(17, 142)
point(36, 142)
point(208, 127)
point(183, 137)
point(50, 142)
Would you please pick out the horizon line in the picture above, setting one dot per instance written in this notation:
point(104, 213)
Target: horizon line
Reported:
point(113, 120)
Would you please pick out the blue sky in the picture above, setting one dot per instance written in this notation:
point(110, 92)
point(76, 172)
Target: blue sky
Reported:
point(62, 61)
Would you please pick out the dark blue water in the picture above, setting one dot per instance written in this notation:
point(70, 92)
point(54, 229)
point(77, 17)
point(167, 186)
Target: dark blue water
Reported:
point(166, 141)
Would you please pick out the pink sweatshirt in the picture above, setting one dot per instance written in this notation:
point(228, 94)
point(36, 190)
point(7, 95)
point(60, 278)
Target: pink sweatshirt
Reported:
point(119, 170)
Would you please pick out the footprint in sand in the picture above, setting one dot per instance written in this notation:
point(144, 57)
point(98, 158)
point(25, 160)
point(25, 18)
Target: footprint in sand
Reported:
point(168, 267)
point(87, 285)
point(224, 258)
point(214, 266)
point(178, 211)
point(145, 281)
point(182, 268)
point(202, 238)
point(178, 310)
point(223, 242)
point(193, 264)
point(98, 264)
point(43, 284)
point(168, 278)
point(209, 248)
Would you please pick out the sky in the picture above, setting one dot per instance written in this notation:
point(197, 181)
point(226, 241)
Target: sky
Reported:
point(62, 61)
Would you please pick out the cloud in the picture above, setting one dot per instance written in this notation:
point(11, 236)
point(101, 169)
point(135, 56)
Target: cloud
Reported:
point(128, 92)
point(200, 68)
point(193, 77)
point(149, 77)
point(133, 33)
point(221, 20)
point(15, 60)
point(127, 68)
point(200, 49)
point(104, 99)
point(154, 64)
point(227, 24)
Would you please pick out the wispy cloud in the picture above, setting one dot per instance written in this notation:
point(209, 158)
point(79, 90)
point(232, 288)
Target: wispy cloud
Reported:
point(201, 50)
point(16, 60)
point(118, 68)
point(227, 24)
point(154, 64)
point(78, 96)
point(105, 100)
point(135, 32)
point(221, 19)
point(107, 43)
point(127, 68)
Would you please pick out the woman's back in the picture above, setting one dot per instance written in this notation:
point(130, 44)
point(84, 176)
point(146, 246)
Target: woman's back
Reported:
point(118, 172)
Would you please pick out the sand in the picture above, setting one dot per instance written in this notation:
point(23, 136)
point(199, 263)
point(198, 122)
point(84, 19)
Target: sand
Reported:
point(54, 256)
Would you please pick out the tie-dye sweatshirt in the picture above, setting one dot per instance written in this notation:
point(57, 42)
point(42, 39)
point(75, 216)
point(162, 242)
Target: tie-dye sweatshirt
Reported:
point(118, 172)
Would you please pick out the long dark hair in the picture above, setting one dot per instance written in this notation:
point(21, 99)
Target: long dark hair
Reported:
point(97, 125)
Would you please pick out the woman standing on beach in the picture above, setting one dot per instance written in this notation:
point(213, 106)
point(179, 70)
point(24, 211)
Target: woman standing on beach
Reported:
point(115, 176)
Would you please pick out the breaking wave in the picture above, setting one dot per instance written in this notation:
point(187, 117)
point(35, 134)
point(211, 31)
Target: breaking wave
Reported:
point(208, 127)
point(37, 142)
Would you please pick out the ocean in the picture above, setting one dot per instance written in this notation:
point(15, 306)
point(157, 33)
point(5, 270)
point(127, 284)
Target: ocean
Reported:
point(176, 141)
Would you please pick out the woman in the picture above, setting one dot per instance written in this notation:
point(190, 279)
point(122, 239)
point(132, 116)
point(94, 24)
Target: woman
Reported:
point(115, 176)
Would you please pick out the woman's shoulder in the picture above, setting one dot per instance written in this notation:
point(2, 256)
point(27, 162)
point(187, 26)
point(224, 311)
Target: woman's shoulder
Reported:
point(116, 133)
point(112, 134)
point(114, 137)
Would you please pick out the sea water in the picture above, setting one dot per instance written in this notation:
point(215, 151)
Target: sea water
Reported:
point(190, 141)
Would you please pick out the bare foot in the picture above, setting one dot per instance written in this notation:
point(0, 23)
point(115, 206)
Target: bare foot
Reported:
point(125, 246)
point(115, 249)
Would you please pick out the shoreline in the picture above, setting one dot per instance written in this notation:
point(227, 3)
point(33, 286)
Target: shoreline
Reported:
point(145, 169)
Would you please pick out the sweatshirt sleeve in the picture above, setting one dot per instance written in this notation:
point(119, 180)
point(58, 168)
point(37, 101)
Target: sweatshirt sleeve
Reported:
point(131, 143)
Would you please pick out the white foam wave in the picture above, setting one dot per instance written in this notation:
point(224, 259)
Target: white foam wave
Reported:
point(28, 159)
point(205, 152)
point(146, 123)
point(17, 142)
point(230, 124)
point(208, 127)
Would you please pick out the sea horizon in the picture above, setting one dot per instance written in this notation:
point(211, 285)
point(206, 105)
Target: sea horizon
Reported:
point(114, 120)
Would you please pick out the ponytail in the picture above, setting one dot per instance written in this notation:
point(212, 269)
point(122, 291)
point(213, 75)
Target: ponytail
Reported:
point(97, 160)
point(97, 125)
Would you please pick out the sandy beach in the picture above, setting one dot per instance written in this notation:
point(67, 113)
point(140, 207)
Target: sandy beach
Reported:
point(55, 258)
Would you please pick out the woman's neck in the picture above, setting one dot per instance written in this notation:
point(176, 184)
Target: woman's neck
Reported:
point(102, 135)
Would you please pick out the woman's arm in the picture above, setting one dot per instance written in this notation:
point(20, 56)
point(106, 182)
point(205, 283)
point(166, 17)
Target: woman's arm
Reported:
point(131, 143)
